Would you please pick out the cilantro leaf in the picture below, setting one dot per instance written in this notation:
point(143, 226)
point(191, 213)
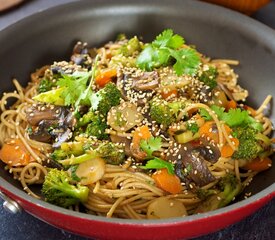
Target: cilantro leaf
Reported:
point(157, 163)
point(74, 85)
point(150, 145)
point(187, 61)
point(168, 39)
point(166, 47)
point(193, 127)
point(233, 118)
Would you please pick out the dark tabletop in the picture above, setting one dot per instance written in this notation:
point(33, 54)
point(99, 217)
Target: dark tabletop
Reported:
point(259, 226)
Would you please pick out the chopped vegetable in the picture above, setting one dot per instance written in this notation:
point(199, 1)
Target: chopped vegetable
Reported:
point(102, 102)
point(229, 186)
point(168, 182)
point(249, 147)
point(209, 77)
point(54, 96)
point(124, 117)
point(58, 190)
point(14, 153)
point(105, 77)
point(164, 207)
point(258, 164)
point(131, 47)
point(90, 171)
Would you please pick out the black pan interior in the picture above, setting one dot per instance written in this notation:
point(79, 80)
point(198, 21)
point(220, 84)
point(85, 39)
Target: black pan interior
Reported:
point(219, 33)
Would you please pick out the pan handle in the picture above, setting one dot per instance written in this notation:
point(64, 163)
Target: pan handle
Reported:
point(9, 204)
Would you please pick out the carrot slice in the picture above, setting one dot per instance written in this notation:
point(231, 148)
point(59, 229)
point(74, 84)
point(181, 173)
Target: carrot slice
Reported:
point(206, 130)
point(259, 164)
point(105, 77)
point(251, 110)
point(231, 104)
point(227, 150)
point(14, 153)
point(168, 182)
point(140, 133)
point(169, 93)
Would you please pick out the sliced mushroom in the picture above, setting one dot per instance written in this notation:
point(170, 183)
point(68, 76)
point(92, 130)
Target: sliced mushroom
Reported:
point(164, 207)
point(37, 113)
point(80, 54)
point(190, 164)
point(122, 140)
point(52, 123)
point(138, 87)
point(124, 117)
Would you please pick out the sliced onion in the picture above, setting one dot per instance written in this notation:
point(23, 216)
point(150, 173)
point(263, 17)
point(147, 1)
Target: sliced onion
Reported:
point(91, 171)
point(124, 117)
point(165, 208)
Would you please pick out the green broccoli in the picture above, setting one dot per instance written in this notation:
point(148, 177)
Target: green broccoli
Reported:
point(129, 48)
point(164, 112)
point(111, 153)
point(58, 190)
point(249, 146)
point(209, 77)
point(107, 97)
point(229, 187)
point(67, 149)
point(45, 85)
point(97, 128)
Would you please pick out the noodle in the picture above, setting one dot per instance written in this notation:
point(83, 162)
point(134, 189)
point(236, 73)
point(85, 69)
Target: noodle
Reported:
point(127, 189)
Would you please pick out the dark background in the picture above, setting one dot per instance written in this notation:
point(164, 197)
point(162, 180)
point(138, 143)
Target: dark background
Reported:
point(259, 226)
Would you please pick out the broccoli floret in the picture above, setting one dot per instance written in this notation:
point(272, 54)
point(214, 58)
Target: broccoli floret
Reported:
point(97, 128)
point(249, 146)
point(45, 85)
point(93, 124)
point(58, 190)
point(229, 187)
point(209, 77)
point(111, 153)
point(164, 112)
point(108, 97)
point(68, 149)
point(129, 48)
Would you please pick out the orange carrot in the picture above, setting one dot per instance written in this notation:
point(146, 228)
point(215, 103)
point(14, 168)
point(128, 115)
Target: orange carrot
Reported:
point(105, 77)
point(258, 164)
point(251, 110)
point(206, 130)
point(231, 104)
point(140, 133)
point(14, 153)
point(227, 150)
point(169, 93)
point(168, 182)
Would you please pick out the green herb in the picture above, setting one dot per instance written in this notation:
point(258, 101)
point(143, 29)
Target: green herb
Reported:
point(150, 145)
point(75, 90)
point(157, 163)
point(193, 127)
point(164, 50)
point(233, 118)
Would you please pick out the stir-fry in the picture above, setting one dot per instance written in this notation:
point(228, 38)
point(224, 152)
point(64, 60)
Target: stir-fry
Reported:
point(135, 130)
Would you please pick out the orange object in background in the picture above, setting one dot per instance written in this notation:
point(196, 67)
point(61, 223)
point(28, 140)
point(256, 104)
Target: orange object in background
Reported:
point(245, 6)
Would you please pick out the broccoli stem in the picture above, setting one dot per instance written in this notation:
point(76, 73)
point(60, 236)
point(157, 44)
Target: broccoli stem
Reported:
point(77, 160)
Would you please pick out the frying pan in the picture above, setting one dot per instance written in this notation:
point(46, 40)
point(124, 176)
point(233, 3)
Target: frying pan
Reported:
point(50, 35)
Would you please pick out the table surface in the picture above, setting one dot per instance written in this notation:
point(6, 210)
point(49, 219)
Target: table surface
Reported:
point(259, 226)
